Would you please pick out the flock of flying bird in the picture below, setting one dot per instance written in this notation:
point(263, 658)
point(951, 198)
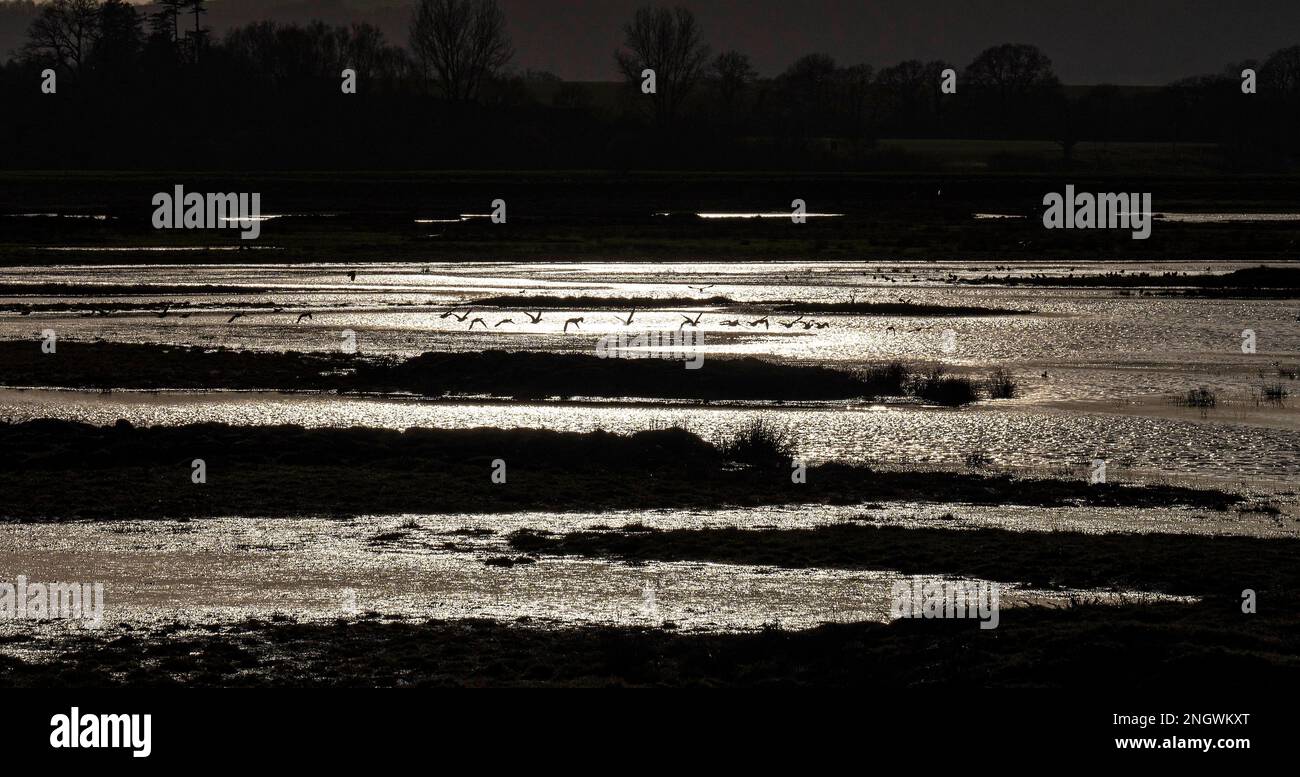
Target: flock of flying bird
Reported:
point(766, 322)
point(576, 323)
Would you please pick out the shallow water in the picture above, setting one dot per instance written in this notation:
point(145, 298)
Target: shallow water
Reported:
point(1092, 344)
point(1095, 369)
point(1244, 456)
point(230, 569)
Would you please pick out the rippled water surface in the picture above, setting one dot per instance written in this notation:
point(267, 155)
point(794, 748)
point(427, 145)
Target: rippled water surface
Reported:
point(1092, 344)
point(1097, 370)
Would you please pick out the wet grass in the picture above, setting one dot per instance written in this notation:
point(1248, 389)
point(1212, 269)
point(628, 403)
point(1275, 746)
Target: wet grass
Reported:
point(1200, 398)
point(1275, 395)
point(124, 472)
point(759, 443)
point(1001, 385)
point(1086, 646)
point(940, 388)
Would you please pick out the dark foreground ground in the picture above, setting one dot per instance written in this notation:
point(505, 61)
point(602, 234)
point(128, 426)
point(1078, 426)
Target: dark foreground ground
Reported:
point(1206, 645)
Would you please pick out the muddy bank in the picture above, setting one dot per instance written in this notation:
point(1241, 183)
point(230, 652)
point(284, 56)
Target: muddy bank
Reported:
point(1086, 646)
point(520, 375)
point(1251, 281)
point(1177, 564)
point(56, 470)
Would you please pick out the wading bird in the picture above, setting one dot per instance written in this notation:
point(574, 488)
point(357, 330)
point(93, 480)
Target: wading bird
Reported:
point(505, 321)
point(577, 323)
point(764, 321)
point(477, 321)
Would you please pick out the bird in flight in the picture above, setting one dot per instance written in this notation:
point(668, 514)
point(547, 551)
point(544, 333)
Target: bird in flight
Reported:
point(352, 276)
point(464, 318)
point(537, 319)
point(302, 316)
point(764, 321)
point(505, 321)
point(477, 321)
point(688, 321)
point(732, 322)
point(577, 323)
point(790, 324)
point(235, 318)
point(701, 289)
point(628, 322)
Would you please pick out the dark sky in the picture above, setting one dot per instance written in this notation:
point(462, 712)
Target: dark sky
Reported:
point(1090, 41)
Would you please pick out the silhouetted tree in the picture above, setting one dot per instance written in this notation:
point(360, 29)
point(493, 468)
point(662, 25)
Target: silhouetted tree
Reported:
point(64, 34)
point(853, 100)
point(170, 11)
point(911, 98)
point(735, 73)
point(1012, 85)
point(668, 42)
point(120, 38)
point(805, 98)
point(1280, 74)
point(198, 37)
point(461, 43)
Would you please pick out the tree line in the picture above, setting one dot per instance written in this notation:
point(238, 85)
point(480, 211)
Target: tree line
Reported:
point(160, 90)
